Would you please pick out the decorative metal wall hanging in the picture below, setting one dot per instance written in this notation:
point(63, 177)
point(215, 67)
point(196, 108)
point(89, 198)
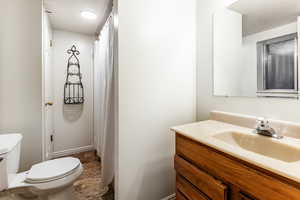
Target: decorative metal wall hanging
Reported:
point(73, 91)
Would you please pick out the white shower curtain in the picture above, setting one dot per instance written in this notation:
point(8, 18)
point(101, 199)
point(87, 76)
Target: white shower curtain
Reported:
point(104, 100)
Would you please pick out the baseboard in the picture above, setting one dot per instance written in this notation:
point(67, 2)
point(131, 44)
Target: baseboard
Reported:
point(171, 197)
point(72, 151)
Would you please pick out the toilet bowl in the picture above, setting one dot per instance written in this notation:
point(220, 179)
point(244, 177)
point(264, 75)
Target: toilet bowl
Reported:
point(49, 180)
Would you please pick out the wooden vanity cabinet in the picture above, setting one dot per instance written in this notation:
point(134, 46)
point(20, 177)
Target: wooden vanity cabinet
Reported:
point(204, 173)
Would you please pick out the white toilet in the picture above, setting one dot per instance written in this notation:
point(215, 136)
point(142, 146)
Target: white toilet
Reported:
point(49, 180)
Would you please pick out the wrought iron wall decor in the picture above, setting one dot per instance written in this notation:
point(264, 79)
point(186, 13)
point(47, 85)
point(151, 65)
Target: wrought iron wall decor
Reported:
point(73, 90)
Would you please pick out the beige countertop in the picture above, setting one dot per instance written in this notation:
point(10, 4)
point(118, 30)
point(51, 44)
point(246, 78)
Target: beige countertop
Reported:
point(205, 131)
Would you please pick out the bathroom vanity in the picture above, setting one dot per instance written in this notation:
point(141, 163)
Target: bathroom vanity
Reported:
point(220, 161)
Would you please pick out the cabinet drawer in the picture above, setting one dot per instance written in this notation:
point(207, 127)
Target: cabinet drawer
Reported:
point(244, 197)
point(261, 183)
point(188, 190)
point(213, 188)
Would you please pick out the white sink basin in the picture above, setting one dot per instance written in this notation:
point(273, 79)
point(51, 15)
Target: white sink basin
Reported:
point(261, 145)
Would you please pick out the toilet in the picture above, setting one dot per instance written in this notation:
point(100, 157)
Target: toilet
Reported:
point(49, 180)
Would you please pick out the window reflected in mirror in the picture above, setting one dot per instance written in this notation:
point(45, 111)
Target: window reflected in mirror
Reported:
point(277, 66)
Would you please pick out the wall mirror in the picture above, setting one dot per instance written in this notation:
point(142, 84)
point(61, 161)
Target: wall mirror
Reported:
point(256, 49)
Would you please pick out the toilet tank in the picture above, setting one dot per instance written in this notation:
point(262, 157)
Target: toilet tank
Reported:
point(10, 149)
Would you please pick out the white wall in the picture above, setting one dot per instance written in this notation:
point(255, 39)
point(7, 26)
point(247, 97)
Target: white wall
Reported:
point(73, 124)
point(156, 91)
point(286, 109)
point(21, 75)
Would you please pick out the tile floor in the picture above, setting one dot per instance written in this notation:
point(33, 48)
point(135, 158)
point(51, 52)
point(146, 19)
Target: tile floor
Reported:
point(89, 186)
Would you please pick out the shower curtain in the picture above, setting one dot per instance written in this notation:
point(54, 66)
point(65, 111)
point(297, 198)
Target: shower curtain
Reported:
point(104, 100)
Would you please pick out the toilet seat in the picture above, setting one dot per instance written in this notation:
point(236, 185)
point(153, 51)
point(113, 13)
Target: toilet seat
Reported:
point(52, 170)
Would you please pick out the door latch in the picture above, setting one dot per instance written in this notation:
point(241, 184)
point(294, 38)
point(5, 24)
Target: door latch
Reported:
point(49, 104)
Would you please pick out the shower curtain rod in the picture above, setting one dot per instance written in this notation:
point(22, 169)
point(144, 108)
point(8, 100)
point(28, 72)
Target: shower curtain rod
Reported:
point(108, 12)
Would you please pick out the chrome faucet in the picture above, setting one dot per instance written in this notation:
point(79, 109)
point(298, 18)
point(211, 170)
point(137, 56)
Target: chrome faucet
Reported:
point(263, 128)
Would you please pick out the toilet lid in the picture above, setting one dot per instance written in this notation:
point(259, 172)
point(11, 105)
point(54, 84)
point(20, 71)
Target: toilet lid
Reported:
point(52, 170)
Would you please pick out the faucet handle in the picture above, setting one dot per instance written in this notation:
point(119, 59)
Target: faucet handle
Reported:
point(262, 123)
point(260, 120)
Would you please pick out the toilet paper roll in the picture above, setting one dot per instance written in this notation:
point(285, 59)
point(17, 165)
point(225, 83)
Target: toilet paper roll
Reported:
point(3, 174)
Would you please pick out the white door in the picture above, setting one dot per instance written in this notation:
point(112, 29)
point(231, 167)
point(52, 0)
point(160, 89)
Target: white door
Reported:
point(49, 126)
point(48, 89)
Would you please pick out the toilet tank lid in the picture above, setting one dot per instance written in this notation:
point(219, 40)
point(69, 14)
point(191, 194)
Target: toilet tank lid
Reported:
point(9, 141)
